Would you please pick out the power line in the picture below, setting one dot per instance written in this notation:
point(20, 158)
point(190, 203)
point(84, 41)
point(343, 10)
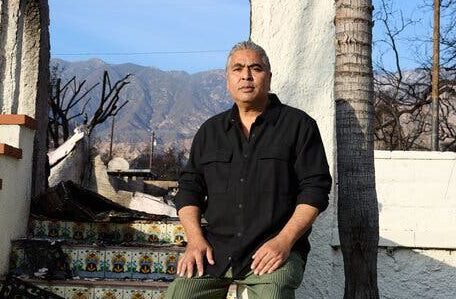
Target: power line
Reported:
point(139, 53)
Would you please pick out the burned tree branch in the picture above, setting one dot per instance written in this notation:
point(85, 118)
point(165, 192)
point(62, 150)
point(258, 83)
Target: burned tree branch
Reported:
point(68, 102)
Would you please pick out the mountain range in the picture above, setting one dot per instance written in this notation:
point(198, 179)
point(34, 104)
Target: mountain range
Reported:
point(172, 104)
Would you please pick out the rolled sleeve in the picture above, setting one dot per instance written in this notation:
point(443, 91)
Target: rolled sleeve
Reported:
point(188, 198)
point(312, 170)
point(192, 187)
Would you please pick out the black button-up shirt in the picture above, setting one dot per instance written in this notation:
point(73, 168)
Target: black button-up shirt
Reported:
point(248, 187)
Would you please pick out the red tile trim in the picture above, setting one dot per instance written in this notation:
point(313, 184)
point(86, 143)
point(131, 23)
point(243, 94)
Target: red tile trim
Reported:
point(18, 119)
point(11, 151)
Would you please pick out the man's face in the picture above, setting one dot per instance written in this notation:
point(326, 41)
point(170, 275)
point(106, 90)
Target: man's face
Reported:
point(248, 80)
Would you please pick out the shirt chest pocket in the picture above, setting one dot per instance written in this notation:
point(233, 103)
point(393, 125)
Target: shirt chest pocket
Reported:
point(216, 167)
point(274, 169)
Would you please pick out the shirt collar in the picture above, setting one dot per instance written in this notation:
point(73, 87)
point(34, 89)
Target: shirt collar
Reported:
point(270, 115)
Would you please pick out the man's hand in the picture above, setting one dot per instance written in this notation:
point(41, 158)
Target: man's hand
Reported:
point(194, 254)
point(270, 256)
point(197, 247)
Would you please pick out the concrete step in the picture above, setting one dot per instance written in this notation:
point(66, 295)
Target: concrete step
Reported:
point(141, 232)
point(152, 262)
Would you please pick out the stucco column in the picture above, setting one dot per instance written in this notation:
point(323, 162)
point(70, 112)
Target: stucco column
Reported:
point(24, 77)
point(37, 56)
point(24, 71)
point(299, 39)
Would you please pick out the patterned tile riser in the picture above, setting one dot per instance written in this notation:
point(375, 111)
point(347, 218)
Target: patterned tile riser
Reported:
point(72, 292)
point(123, 263)
point(87, 262)
point(59, 290)
point(111, 263)
point(118, 264)
point(146, 263)
point(151, 232)
point(106, 293)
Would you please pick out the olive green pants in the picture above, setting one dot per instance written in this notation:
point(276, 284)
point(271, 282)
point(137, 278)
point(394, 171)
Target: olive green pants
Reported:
point(280, 284)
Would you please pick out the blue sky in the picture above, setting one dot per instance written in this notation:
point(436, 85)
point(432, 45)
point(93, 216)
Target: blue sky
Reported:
point(412, 49)
point(158, 27)
point(185, 35)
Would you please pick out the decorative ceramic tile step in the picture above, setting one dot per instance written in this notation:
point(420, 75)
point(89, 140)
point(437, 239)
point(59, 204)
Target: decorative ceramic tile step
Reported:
point(92, 261)
point(114, 289)
point(141, 232)
point(98, 289)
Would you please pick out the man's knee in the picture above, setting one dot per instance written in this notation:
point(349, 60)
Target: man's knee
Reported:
point(197, 288)
point(291, 273)
point(279, 284)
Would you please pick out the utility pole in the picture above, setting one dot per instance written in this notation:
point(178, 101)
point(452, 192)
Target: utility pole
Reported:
point(152, 144)
point(112, 136)
point(435, 78)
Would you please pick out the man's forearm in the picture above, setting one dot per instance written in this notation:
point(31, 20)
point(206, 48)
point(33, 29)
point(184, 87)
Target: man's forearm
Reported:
point(301, 220)
point(190, 218)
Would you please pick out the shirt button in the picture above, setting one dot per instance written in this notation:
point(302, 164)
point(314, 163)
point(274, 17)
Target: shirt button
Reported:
point(242, 180)
point(229, 258)
point(253, 135)
point(245, 156)
point(239, 234)
point(240, 206)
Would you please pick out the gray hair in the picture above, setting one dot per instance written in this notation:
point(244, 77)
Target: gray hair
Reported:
point(249, 45)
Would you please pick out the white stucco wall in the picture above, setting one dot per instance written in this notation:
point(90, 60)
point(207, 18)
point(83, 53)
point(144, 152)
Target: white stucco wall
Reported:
point(299, 39)
point(24, 70)
point(15, 192)
point(416, 191)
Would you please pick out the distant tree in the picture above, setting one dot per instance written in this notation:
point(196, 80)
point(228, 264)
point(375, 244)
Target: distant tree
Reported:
point(448, 32)
point(447, 116)
point(166, 165)
point(402, 99)
point(68, 102)
point(447, 107)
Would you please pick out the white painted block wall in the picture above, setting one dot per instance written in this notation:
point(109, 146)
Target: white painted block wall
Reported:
point(417, 198)
point(416, 194)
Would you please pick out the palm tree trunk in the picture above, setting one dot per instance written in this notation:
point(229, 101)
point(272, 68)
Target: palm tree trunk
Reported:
point(357, 199)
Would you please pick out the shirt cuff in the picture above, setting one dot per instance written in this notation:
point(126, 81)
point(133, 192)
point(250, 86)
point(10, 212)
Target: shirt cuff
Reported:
point(314, 198)
point(187, 198)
